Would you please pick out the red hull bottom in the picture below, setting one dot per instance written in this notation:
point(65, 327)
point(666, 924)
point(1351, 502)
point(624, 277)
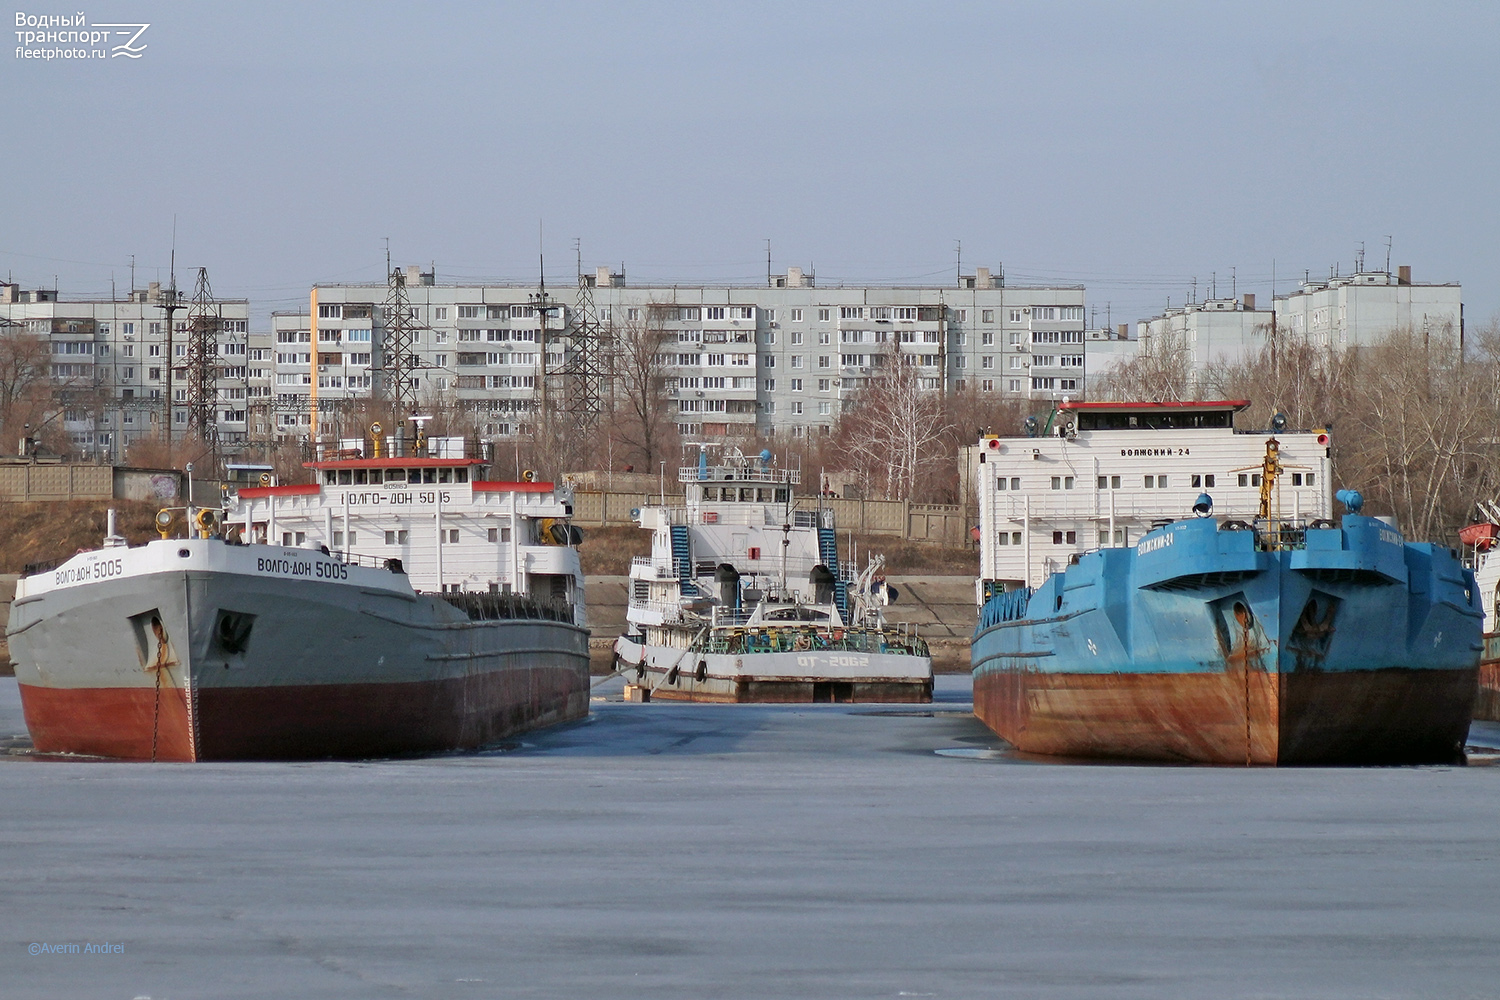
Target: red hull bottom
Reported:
point(1366, 717)
point(302, 722)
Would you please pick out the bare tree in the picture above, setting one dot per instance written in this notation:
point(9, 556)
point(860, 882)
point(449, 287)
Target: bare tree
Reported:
point(1161, 370)
point(1413, 418)
point(25, 382)
point(642, 422)
point(894, 431)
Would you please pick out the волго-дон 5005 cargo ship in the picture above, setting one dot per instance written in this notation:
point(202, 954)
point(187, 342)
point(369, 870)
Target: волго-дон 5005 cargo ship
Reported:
point(1270, 636)
point(400, 603)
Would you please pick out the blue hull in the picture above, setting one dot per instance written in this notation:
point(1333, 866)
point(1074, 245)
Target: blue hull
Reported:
point(1342, 645)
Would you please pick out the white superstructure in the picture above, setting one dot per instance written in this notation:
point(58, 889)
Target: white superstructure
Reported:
point(450, 529)
point(1102, 474)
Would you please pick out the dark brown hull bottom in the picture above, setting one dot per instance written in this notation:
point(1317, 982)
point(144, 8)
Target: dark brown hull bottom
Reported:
point(804, 693)
point(302, 722)
point(1393, 716)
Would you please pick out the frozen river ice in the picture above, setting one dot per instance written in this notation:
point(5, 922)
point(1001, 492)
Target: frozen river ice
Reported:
point(715, 851)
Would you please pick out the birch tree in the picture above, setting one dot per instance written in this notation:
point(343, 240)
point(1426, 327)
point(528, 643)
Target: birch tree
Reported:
point(894, 430)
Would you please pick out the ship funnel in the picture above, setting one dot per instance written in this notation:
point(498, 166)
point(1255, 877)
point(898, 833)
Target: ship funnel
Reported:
point(728, 579)
point(822, 580)
point(1351, 500)
point(1204, 505)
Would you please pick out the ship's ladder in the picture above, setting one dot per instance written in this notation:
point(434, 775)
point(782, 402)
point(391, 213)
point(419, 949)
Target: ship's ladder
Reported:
point(828, 552)
point(682, 559)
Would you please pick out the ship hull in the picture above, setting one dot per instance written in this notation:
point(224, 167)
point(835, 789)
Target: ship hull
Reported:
point(199, 665)
point(672, 673)
point(1207, 649)
point(1396, 715)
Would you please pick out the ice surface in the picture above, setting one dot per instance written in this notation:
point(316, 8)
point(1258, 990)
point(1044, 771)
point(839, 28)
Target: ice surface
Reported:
point(713, 851)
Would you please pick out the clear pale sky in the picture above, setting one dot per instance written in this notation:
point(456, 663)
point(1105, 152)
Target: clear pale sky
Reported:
point(1126, 147)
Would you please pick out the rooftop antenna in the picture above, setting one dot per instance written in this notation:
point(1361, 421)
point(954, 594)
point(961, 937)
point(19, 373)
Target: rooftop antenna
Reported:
point(132, 275)
point(1359, 258)
point(169, 305)
point(1388, 256)
point(960, 252)
point(1234, 288)
point(1193, 297)
point(768, 264)
point(578, 253)
point(1213, 287)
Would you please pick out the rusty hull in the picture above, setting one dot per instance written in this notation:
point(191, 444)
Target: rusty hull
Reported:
point(1394, 715)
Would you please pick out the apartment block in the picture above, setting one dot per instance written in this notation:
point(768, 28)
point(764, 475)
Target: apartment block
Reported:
point(779, 358)
point(112, 358)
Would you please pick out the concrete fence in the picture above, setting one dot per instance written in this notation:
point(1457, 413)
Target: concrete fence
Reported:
point(56, 482)
point(22, 482)
point(940, 524)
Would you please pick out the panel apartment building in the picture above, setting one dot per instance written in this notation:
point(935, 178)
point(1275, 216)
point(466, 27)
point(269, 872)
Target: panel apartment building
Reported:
point(1335, 313)
point(110, 361)
point(779, 358)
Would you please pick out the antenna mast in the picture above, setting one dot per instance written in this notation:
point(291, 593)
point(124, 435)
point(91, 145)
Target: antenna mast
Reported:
point(205, 320)
point(585, 377)
point(170, 304)
point(397, 361)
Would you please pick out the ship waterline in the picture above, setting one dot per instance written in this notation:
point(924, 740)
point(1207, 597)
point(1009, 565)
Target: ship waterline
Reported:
point(230, 657)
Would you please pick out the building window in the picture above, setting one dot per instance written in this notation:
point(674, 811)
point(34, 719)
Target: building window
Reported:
point(1062, 482)
point(770, 385)
point(987, 385)
point(797, 317)
point(399, 537)
point(796, 385)
point(823, 315)
point(987, 316)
